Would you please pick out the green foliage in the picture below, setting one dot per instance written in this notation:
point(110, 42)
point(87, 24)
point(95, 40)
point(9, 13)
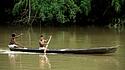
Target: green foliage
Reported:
point(85, 6)
point(117, 4)
point(47, 10)
point(62, 11)
point(19, 6)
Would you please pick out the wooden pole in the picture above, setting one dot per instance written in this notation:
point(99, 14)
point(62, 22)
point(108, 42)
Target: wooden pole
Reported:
point(47, 44)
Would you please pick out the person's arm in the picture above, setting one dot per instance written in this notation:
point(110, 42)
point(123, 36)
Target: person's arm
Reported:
point(45, 43)
point(19, 35)
point(15, 41)
point(42, 43)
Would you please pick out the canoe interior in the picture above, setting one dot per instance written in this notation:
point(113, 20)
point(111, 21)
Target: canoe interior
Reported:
point(101, 50)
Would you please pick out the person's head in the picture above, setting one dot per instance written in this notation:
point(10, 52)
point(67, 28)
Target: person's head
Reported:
point(41, 35)
point(13, 35)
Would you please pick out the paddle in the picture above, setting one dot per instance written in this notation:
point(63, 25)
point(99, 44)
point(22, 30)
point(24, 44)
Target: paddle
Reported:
point(47, 44)
point(20, 45)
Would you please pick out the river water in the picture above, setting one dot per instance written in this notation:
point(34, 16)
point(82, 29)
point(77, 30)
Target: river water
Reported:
point(62, 37)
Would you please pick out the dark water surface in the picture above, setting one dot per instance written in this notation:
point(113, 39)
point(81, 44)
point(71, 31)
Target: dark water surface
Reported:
point(63, 37)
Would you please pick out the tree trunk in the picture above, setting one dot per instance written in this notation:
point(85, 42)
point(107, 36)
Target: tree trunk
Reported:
point(29, 18)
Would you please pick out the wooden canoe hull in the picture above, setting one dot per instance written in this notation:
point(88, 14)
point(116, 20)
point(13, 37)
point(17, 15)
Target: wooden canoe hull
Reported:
point(100, 50)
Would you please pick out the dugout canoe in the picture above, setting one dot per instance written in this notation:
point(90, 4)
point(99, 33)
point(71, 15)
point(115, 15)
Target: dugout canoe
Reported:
point(99, 50)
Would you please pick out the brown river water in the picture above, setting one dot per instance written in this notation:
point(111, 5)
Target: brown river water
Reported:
point(62, 37)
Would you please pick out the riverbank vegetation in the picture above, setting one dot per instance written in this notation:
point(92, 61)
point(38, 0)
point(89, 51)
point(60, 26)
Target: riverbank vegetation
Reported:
point(71, 12)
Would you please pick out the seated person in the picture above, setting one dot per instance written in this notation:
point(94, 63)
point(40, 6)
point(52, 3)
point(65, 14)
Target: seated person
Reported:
point(13, 43)
point(42, 42)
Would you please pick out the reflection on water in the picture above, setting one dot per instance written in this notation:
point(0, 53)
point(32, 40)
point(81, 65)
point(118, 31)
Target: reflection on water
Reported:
point(12, 59)
point(16, 62)
point(63, 62)
point(84, 62)
point(60, 61)
point(72, 37)
point(44, 62)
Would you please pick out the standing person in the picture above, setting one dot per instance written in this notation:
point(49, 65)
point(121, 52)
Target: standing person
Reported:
point(13, 43)
point(42, 42)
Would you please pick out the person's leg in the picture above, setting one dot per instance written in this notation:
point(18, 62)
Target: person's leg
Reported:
point(19, 45)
